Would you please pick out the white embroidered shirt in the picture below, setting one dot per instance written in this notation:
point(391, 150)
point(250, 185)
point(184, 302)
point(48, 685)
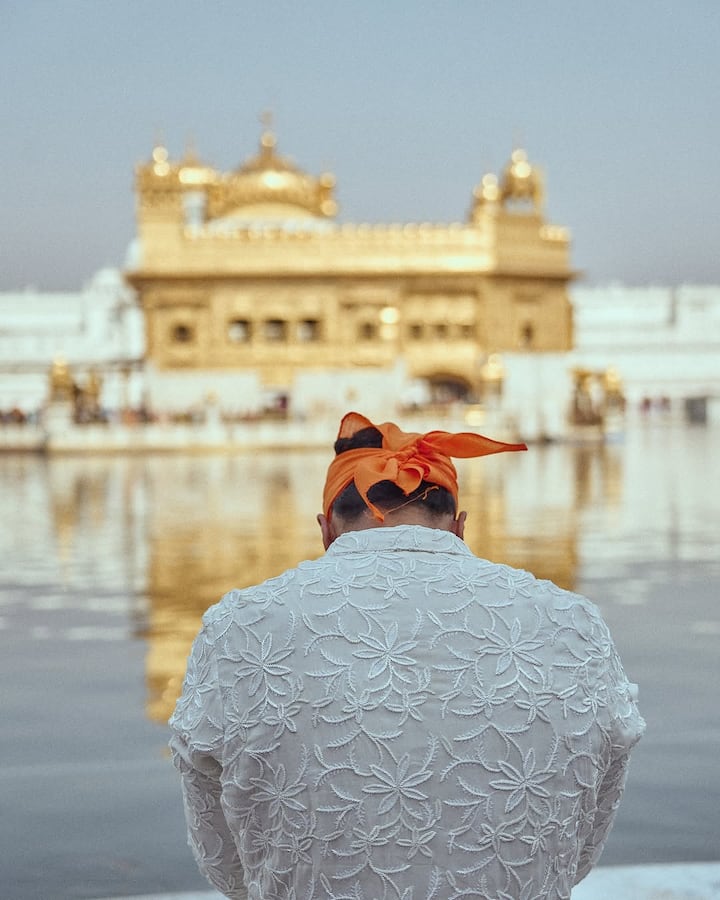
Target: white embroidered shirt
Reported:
point(400, 720)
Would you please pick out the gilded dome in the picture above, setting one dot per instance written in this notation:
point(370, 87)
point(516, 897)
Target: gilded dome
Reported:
point(270, 186)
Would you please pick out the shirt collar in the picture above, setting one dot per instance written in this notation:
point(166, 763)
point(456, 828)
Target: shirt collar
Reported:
point(398, 537)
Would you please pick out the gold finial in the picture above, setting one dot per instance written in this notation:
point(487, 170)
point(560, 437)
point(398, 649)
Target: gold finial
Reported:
point(489, 189)
point(522, 181)
point(267, 138)
point(191, 154)
point(160, 157)
point(521, 168)
point(193, 170)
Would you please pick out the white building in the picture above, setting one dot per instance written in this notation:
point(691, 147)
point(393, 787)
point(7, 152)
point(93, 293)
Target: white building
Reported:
point(664, 342)
point(98, 329)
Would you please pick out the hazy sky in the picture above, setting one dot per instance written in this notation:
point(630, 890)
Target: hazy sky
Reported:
point(408, 102)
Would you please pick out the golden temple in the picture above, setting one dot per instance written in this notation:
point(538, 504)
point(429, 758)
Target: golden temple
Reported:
point(249, 271)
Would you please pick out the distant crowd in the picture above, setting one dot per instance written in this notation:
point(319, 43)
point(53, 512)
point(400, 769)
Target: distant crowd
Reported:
point(16, 416)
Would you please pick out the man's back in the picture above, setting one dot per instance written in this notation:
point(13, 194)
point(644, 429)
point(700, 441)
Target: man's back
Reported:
point(401, 719)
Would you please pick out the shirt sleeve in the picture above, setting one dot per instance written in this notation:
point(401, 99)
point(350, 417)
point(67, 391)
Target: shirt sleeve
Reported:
point(625, 727)
point(196, 746)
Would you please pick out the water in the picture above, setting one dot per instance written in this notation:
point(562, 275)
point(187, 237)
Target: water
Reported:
point(106, 565)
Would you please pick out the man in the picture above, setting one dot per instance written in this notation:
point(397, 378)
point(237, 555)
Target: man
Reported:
point(400, 719)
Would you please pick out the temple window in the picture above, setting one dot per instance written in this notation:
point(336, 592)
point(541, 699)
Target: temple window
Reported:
point(308, 330)
point(239, 331)
point(440, 329)
point(183, 334)
point(416, 331)
point(527, 335)
point(368, 331)
point(275, 330)
point(467, 331)
point(389, 318)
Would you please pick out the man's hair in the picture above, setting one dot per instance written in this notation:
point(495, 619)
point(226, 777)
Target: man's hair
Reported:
point(436, 501)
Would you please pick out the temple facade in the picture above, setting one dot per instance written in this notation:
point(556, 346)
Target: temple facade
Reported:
point(255, 296)
point(244, 297)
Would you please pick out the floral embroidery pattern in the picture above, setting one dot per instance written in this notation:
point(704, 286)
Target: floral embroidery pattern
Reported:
point(400, 720)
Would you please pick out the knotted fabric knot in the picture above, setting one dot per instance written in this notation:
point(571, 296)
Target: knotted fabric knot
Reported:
point(405, 458)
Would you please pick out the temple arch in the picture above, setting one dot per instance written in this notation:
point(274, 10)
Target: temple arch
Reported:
point(445, 388)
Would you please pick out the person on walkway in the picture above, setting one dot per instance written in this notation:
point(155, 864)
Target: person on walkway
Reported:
point(400, 719)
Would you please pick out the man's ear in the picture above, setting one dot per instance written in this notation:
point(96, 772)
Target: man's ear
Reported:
point(326, 529)
point(458, 525)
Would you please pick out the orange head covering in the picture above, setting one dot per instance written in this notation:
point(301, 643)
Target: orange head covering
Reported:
point(405, 458)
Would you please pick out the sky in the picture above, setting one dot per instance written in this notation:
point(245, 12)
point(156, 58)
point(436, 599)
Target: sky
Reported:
point(407, 102)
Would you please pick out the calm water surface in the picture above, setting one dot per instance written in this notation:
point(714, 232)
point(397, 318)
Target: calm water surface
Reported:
point(106, 565)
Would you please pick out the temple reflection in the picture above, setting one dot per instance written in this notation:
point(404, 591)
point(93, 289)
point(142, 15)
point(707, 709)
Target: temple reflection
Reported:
point(183, 530)
point(222, 523)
